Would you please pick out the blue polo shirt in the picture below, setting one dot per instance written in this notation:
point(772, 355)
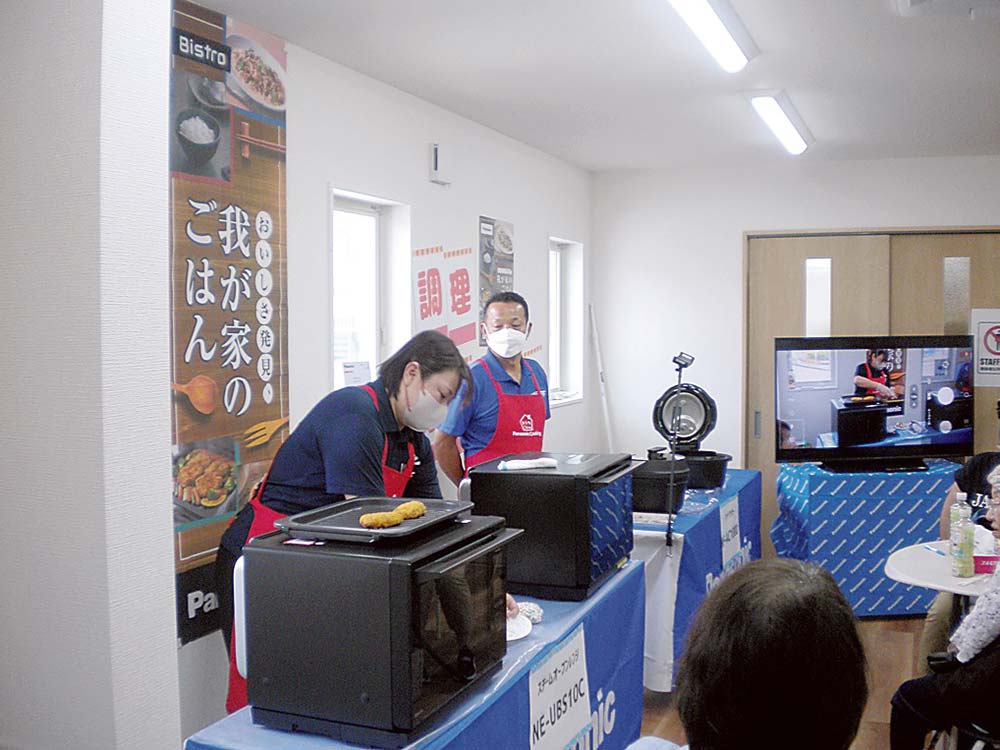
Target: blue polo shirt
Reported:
point(335, 451)
point(477, 422)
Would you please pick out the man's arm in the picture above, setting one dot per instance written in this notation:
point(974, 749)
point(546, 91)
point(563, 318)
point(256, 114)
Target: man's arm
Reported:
point(946, 511)
point(447, 456)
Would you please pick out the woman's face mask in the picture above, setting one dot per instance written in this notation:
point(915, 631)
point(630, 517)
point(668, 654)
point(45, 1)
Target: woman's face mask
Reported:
point(507, 342)
point(424, 412)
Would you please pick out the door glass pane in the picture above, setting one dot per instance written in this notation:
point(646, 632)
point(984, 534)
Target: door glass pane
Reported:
point(818, 283)
point(355, 305)
point(956, 295)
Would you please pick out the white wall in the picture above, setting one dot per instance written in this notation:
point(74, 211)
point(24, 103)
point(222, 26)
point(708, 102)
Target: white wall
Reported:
point(89, 651)
point(668, 251)
point(357, 134)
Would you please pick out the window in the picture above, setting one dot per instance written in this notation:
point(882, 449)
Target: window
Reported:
point(810, 369)
point(566, 317)
point(818, 296)
point(355, 286)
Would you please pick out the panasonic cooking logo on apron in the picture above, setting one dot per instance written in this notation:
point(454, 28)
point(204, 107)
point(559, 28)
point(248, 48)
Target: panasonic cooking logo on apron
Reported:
point(527, 425)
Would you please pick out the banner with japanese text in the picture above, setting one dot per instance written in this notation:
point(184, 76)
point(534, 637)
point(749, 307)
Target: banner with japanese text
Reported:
point(228, 287)
point(444, 296)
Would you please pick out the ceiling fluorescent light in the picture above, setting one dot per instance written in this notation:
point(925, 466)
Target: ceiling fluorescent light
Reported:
point(777, 112)
point(718, 27)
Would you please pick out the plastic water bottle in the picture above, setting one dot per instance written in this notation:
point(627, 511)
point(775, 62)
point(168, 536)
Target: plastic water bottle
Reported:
point(954, 516)
point(966, 543)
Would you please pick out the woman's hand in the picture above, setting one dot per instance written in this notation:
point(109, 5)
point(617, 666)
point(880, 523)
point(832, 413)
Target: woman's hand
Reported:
point(512, 608)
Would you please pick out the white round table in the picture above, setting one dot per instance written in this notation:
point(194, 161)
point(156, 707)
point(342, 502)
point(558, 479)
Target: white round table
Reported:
point(928, 564)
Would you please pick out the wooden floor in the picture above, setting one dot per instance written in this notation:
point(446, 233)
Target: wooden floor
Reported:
point(891, 646)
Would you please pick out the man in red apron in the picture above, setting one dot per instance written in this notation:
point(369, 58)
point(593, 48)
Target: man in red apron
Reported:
point(871, 377)
point(355, 442)
point(510, 400)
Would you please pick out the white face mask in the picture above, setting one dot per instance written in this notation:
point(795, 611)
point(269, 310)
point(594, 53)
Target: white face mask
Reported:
point(425, 414)
point(507, 342)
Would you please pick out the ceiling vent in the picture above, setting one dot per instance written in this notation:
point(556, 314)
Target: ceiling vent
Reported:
point(974, 10)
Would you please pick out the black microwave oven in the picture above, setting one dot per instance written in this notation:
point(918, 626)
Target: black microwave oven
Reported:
point(576, 516)
point(364, 640)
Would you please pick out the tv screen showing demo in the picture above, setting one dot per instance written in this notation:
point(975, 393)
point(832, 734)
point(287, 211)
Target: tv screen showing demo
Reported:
point(878, 402)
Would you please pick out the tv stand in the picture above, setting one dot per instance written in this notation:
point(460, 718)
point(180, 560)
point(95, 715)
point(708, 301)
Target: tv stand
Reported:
point(850, 523)
point(871, 466)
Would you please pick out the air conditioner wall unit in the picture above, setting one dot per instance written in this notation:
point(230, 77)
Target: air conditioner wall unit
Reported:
point(972, 9)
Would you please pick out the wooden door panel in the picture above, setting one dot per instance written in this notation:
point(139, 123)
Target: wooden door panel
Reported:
point(776, 307)
point(918, 298)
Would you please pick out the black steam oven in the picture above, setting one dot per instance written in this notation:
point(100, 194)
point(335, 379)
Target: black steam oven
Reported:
point(364, 636)
point(576, 516)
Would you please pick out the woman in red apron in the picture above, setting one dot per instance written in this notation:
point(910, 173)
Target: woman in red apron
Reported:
point(358, 441)
point(871, 377)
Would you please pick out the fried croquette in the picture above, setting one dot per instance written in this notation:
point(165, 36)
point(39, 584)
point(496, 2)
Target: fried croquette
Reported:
point(411, 509)
point(383, 520)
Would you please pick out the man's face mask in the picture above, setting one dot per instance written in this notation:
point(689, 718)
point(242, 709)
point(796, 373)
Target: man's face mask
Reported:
point(507, 342)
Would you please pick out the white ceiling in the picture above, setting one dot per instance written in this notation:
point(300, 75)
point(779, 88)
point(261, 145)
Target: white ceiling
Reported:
point(620, 84)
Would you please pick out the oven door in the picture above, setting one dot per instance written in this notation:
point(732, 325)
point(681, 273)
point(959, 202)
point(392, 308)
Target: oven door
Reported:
point(459, 621)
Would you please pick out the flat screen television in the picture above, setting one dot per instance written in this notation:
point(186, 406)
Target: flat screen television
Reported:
point(875, 403)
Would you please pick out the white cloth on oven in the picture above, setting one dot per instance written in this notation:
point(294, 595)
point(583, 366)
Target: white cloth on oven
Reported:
point(519, 464)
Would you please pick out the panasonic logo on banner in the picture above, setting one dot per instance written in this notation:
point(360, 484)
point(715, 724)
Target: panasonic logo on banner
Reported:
point(199, 601)
point(201, 50)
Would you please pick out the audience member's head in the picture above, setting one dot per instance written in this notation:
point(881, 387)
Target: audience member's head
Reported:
point(785, 438)
point(773, 660)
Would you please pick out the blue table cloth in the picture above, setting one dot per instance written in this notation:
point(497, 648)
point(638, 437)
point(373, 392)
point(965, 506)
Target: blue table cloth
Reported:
point(496, 713)
point(715, 532)
point(849, 523)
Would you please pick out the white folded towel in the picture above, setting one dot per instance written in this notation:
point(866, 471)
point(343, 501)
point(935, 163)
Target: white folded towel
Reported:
point(527, 463)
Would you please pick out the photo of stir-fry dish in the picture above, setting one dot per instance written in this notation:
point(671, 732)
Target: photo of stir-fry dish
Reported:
point(258, 79)
point(204, 478)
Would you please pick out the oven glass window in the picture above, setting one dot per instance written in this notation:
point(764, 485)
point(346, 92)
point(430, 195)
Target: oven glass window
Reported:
point(460, 629)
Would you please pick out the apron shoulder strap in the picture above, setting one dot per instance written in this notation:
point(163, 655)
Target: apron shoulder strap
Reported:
point(371, 392)
point(531, 372)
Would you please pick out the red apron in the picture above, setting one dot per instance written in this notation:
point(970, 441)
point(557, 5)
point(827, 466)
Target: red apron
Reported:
point(520, 422)
point(395, 482)
point(882, 377)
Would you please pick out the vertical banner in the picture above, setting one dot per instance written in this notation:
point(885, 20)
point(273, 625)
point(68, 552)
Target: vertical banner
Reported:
point(443, 295)
point(228, 288)
point(496, 260)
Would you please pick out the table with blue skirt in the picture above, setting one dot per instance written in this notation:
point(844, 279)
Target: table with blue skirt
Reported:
point(849, 523)
point(497, 712)
point(715, 532)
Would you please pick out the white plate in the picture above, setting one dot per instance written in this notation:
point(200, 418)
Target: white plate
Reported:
point(518, 627)
point(198, 86)
point(235, 82)
point(502, 242)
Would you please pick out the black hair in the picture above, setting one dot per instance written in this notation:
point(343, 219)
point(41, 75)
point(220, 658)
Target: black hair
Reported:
point(773, 659)
point(507, 297)
point(877, 353)
point(434, 352)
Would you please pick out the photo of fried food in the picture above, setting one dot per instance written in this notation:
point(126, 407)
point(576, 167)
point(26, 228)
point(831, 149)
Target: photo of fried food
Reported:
point(411, 509)
point(383, 520)
point(204, 478)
